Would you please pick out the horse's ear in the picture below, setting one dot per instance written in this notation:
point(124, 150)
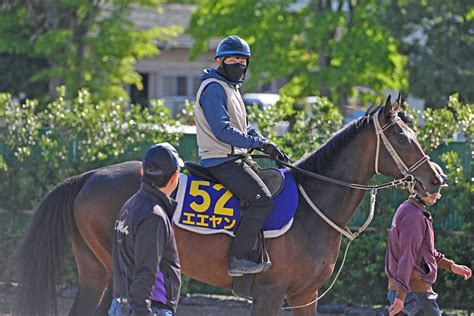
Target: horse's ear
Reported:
point(399, 102)
point(388, 107)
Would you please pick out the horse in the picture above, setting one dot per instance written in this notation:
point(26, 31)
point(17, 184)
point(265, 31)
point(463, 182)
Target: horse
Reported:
point(84, 208)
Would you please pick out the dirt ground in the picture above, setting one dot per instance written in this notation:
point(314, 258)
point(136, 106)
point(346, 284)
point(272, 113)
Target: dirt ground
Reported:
point(204, 305)
point(192, 305)
point(208, 305)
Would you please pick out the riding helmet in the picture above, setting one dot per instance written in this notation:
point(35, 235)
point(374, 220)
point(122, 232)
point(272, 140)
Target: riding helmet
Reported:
point(233, 45)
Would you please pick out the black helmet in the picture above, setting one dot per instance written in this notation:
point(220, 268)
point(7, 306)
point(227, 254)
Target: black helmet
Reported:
point(232, 45)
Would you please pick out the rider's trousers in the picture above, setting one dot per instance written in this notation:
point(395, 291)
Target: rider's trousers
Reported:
point(244, 182)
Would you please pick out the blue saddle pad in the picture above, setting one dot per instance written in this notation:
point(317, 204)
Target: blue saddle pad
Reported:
point(207, 208)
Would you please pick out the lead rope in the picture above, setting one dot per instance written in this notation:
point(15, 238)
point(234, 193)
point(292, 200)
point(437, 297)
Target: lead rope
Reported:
point(328, 289)
point(345, 232)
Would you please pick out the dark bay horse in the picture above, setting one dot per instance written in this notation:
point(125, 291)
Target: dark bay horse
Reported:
point(84, 208)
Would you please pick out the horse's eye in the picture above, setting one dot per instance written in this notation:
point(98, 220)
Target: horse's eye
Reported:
point(402, 140)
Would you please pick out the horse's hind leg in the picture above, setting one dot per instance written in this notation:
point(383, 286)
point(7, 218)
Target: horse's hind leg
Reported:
point(93, 280)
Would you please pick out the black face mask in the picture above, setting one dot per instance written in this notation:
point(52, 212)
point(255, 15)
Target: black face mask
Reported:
point(233, 72)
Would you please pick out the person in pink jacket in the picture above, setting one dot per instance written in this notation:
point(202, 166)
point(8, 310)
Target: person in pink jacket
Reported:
point(412, 261)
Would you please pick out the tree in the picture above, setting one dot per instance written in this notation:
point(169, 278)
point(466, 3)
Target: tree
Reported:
point(80, 43)
point(439, 44)
point(322, 47)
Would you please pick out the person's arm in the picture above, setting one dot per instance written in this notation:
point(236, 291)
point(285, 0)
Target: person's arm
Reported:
point(410, 228)
point(451, 266)
point(149, 244)
point(442, 261)
point(251, 130)
point(213, 102)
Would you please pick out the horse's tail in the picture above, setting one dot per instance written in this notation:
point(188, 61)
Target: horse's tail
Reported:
point(40, 257)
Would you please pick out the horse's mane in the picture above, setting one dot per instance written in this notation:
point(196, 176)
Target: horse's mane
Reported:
point(318, 160)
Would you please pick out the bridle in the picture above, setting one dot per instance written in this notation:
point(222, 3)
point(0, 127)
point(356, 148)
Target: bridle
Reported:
point(404, 170)
point(408, 181)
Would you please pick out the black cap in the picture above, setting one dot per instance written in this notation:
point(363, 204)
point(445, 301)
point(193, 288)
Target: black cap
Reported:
point(161, 159)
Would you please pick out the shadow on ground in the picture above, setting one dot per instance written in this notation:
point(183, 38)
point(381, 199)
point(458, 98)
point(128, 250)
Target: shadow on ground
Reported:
point(194, 305)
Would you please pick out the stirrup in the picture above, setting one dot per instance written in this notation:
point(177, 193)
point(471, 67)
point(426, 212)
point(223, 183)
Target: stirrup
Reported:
point(265, 258)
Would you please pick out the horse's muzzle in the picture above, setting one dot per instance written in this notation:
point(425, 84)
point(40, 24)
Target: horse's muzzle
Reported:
point(422, 190)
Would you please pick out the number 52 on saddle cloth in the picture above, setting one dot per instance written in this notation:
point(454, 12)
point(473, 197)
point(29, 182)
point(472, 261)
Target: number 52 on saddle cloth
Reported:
point(207, 207)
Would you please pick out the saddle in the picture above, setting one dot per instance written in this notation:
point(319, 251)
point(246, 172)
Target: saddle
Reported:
point(272, 177)
point(275, 182)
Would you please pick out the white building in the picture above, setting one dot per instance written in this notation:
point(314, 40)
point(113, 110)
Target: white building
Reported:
point(172, 75)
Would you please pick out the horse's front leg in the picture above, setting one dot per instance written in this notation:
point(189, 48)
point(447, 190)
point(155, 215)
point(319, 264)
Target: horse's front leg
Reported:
point(302, 299)
point(267, 300)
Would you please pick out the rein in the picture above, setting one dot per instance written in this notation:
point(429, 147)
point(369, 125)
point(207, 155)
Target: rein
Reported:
point(405, 181)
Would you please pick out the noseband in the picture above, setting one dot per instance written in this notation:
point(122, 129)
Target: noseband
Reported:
point(410, 179)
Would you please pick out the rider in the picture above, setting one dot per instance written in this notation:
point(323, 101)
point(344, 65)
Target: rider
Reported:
point(223, 136)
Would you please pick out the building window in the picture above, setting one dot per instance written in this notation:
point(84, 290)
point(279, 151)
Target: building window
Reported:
point(196, 84)
point(176, 88)
point(140, 96)
point(182, 86)
point(167, 86)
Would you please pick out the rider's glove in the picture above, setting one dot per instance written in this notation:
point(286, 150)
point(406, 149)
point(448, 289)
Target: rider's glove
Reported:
point(274, 151)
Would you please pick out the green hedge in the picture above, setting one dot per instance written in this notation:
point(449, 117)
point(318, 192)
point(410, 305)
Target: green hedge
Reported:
point(42, 145)
point(363, 282)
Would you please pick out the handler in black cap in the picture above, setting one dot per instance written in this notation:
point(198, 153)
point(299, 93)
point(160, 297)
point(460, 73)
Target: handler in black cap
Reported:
point(146, 270)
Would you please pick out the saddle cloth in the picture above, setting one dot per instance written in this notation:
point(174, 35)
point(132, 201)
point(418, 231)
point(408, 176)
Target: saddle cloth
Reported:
point(206, 207)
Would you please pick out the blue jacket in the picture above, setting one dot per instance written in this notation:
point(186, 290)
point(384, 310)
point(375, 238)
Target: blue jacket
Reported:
point(213, 101)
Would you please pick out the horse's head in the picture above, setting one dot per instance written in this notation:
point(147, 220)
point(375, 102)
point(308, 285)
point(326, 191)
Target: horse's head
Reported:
point(399, 154)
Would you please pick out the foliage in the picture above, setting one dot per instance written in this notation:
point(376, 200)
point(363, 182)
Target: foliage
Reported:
point(91, 44)
point(42, 147)
point(363, 272)
point(322, 47)
point(310, 125)
point(442, 124)
point(183, 1)
point(438, 42)
point(453, 221)
point(440, 127)
point(100, 141)
point(453, 290)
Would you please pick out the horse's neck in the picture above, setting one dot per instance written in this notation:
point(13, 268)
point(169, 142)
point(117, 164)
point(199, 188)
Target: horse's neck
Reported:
point(354, 164)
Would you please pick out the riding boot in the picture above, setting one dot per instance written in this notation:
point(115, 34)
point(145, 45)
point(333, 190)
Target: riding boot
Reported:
point(246, 236)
